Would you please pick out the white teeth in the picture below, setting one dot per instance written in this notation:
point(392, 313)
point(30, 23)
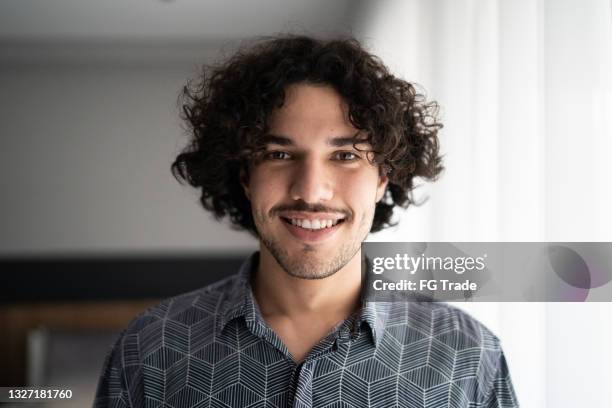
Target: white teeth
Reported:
point(313, 224)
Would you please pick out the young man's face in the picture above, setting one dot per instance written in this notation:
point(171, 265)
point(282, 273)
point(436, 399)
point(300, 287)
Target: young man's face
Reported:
point(311, 176)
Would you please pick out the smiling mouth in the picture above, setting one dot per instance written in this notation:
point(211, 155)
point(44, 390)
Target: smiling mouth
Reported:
point(312, 230)
point(312, 225)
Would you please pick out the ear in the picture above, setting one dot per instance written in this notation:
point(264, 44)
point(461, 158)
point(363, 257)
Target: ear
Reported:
point(383, 180)
point(244, 182)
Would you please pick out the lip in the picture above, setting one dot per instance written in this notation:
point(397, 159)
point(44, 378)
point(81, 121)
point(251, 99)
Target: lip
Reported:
point(312, 236)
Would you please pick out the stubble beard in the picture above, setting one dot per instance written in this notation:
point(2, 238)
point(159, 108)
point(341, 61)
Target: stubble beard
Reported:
point(306, 263)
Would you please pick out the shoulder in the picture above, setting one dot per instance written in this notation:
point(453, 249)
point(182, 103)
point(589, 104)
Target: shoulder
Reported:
point(443, 335)
point(158, 338)
point(174, 317)
point(441, 342)
point(448, 326)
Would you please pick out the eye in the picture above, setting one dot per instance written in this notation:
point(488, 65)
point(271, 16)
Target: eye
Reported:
point(277, 155)
point(346, 156)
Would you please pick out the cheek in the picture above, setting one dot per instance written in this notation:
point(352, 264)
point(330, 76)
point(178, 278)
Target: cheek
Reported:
point(359, 190)
point(265, 189)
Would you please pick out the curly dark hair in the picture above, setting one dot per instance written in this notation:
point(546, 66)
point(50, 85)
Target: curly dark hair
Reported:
point(227, 107)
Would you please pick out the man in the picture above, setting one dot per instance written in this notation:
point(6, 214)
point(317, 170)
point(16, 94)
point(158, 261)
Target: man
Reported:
point(309, 145)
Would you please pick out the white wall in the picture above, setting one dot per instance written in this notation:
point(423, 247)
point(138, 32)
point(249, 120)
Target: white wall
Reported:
point(85, 161)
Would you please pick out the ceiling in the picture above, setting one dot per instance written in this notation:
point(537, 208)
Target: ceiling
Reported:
point(170, 20)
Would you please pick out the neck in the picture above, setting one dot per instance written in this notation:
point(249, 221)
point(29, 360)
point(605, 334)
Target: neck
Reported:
point(280, 294)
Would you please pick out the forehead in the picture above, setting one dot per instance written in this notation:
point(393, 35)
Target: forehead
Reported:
point(311, 111)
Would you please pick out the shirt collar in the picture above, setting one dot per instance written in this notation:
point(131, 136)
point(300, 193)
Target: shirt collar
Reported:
point(375, 315)
point(240, 302)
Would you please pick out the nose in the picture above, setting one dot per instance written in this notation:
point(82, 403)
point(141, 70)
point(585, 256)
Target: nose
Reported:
point(311, 183)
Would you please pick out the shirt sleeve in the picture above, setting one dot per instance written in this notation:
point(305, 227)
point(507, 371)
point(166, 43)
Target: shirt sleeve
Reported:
point(501, 393)
point(113, 385)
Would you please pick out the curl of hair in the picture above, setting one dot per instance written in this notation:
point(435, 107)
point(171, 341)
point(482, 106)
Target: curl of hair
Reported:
point(226, 113)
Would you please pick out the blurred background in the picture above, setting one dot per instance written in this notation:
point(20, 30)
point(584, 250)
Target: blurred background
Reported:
point(94, 229)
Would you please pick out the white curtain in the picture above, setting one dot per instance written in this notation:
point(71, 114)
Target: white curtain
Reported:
point(525, 88)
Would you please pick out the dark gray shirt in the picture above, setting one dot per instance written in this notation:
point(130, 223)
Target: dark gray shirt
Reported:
point(212, 348)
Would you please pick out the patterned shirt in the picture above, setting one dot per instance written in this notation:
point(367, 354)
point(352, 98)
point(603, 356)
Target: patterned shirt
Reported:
point(212, 348)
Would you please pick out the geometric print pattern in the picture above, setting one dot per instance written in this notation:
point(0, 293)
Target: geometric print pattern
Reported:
point(212, 348)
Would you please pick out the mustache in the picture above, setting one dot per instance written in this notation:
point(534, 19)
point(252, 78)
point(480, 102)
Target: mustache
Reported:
point(306, 207)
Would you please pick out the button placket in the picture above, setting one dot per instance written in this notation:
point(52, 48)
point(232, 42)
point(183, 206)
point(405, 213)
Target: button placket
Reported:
point(303, 375)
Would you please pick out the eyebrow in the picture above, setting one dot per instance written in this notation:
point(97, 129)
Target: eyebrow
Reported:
point(340, 141)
